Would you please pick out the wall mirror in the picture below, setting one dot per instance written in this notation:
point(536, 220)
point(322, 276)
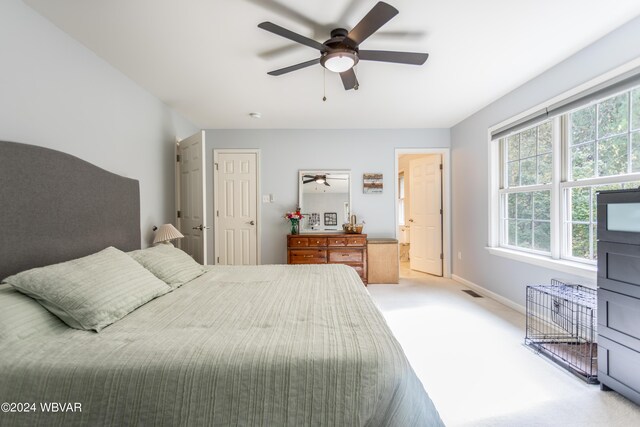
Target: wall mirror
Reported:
point(325, 199)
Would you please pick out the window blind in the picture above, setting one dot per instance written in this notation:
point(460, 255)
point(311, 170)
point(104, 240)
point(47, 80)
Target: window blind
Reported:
point(603, 90)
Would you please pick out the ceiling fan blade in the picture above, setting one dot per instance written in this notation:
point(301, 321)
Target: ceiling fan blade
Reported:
point(391, 56)
point(327, 184)
point(308, 181)
point(400, 34)
point(349, 79)
point(279, 51)
point(308, 176)
point(282, 10)
point(291, 68)
point(287, 34)
point(376, 18)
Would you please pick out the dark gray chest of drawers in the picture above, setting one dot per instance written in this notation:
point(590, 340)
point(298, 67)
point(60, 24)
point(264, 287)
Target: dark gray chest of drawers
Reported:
point(619, 292)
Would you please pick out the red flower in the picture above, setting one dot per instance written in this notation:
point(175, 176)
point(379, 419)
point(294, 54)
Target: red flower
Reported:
point(294, 215)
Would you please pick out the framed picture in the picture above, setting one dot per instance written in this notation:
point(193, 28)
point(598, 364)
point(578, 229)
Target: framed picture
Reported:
point(314, 219)
point(330, 218)
point(372, 183)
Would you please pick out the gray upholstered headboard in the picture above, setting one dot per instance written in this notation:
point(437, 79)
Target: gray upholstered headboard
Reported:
point(55, 207)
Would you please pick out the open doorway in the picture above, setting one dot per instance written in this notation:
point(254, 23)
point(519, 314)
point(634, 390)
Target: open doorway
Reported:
point(423, 211)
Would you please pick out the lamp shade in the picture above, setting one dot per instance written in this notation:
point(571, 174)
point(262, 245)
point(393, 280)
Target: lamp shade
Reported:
point(167, 232)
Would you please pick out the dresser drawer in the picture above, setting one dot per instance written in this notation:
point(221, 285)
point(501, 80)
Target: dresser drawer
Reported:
point(298, 242)
point(356, 241)
point(619, 268)
point(337, 241)
point(317, 241)
point(619, 368)
point(619, 318)
point(618, 213)
point(345, 255)
point(307, 256)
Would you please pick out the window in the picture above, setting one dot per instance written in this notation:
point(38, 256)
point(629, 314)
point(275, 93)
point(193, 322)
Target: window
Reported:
point(603, 142)
point(550, 173)
point(526, 189)
point(401, 198)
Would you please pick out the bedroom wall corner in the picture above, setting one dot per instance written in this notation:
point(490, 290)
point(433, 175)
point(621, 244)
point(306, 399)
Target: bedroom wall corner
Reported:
point(58, 94)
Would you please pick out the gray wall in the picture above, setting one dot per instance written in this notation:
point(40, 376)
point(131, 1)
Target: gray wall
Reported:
point(56, 93)
point(284, 152)
point(469, 152)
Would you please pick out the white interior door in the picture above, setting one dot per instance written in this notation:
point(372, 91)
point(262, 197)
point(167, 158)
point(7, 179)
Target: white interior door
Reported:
point(425, 214)
point(192, 220)
point(236, 208)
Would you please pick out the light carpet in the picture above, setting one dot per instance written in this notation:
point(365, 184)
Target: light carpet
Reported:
point(469, 354)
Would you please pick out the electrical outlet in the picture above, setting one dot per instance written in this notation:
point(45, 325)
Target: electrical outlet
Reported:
point(460, 255)
point(266, 198)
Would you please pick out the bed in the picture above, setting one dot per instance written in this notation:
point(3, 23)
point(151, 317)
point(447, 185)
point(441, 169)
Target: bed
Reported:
point(263, 345)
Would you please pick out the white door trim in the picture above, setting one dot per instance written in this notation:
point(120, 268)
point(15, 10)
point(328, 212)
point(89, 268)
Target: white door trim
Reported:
point(446, 198)
point(216, 153)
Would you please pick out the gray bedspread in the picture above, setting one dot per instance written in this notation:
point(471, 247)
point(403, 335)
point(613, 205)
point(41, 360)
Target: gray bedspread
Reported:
point(267, 345)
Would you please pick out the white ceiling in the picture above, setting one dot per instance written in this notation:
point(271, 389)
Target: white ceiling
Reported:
point(201, 57)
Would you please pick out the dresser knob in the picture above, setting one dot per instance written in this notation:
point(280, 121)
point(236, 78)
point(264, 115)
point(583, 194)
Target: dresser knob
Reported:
point(298, 241)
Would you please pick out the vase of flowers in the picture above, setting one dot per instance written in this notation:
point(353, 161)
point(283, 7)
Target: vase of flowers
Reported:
point(295, 218)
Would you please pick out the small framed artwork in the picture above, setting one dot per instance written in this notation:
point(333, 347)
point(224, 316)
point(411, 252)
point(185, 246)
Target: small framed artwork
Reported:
point(314, 220)
point(372, 183)
point(331, 218)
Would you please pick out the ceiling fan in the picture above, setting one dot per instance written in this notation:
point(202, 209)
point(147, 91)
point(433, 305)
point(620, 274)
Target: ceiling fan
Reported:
point(342, 51)
point(318, 179)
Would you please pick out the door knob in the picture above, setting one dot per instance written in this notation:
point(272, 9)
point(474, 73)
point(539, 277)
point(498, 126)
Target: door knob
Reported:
point(410, 220)
point(251, 223)
point(200, 227)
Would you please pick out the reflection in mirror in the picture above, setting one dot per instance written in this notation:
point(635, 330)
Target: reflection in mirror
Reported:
point(325, 199)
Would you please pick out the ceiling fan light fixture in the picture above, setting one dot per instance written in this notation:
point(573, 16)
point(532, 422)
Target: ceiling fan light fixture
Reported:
point(342, 51)
point(339, 61)
point(320, 180)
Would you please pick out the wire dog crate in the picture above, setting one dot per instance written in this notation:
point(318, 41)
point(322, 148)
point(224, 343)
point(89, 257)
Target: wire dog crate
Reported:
point(561, 324)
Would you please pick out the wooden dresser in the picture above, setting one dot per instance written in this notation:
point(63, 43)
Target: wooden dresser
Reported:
point(335, 248)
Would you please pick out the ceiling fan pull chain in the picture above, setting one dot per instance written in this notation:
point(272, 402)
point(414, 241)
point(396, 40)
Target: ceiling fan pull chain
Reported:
point(324, 84)
point(357, 85)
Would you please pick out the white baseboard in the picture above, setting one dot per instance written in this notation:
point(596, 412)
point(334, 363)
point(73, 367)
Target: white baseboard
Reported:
point(489, 294)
